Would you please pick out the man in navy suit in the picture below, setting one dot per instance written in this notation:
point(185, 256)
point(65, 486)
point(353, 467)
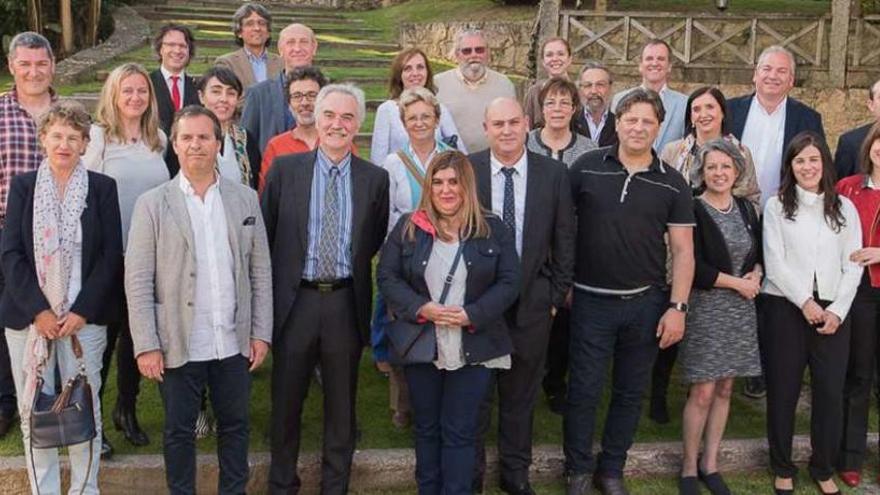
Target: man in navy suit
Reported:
point(765, 121)
point(849, 145)
point(596, 120)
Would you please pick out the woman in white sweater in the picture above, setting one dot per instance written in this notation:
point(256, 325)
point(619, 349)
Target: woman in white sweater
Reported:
point(809, 234)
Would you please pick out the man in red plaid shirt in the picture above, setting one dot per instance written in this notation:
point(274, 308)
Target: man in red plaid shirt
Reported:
point(32, 65)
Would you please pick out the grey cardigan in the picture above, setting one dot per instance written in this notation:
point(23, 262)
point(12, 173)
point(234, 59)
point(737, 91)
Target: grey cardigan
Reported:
point(160, 269)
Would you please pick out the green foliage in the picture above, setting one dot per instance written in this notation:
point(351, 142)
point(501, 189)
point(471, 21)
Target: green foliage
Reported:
point(13, 20)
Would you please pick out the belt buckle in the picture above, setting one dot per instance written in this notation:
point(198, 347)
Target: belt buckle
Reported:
point(325, 286)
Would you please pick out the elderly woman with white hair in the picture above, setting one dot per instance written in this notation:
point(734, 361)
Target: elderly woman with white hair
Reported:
point(722, 340)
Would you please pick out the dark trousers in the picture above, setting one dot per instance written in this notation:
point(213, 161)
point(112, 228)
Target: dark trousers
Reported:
point(556, 364)
point(445, 407)
point(863, 352)
point(229, 385)
point(603, 330)
point(321, 328)
point(128, 377)
point(517, 393)
point(8, 403)
point(788, 345)
point(661, 373)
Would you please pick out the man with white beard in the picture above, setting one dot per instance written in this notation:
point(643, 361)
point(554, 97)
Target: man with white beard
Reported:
point(468, 89)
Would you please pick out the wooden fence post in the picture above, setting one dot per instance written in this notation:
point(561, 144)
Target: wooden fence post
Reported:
point(547, 26)
point(838, 53)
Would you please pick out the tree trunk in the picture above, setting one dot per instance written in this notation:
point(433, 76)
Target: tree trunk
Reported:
point(66, 27)
point(35, 17)
point(93, 21)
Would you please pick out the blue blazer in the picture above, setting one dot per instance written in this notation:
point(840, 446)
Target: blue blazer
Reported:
point(265, 111)
point(98, 299)
point(492, 285)
point(849, 150)
point(798, 118)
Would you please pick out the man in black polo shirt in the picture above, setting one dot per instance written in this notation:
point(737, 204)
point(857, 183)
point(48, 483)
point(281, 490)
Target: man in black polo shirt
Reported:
point(626, 199)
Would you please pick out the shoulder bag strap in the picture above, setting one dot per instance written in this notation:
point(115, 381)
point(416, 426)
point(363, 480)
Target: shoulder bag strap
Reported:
point(408, 163)
point(448, 283)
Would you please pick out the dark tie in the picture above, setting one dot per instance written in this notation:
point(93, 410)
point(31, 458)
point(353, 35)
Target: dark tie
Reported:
point(175, 93)
point(328, 242)
point(509, 212)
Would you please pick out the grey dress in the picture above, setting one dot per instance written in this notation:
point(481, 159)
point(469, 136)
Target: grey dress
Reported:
point(721, 336)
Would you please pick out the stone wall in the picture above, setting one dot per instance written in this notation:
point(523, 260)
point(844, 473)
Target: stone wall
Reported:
point(509, 41)
point(347, 4)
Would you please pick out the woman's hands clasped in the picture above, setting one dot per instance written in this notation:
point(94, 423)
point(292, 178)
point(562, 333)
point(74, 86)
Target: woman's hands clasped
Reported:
point(51, 327)
point(451, 316)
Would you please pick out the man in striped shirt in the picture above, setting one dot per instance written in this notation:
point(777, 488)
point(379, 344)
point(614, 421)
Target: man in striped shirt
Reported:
point(32, 65)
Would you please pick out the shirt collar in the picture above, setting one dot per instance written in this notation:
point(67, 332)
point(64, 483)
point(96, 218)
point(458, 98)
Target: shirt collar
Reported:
point(781, 106)
point(325, 163)
point(519, 166)
point(664, 89)
point(167, 75)
point(472, 84)
point(262, 57)
point(187, 188)
point(655, 166)
point(589, 116)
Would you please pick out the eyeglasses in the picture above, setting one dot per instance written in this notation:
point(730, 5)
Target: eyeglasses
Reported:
point(479, 50)
point(597, 85)
point(255, 23)
point(180, 46)
point(564, 104)
point(311, 96)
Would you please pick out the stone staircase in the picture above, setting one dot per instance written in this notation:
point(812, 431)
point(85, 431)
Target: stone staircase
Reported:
point(349, 49)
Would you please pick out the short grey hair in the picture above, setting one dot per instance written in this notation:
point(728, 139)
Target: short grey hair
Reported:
point(595, 64)
point(777, 49)
point(720, 145)
point(346, 89)
point(415, 95)
point(243, 13)
point(32, 40)
point(464, 33)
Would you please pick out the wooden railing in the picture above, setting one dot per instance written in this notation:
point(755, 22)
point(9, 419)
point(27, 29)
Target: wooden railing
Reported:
point(705, 40)
point(866, 46)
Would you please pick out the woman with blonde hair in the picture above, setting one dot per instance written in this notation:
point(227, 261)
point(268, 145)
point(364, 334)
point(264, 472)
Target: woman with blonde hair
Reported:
point(127, 144)
point(453, 267)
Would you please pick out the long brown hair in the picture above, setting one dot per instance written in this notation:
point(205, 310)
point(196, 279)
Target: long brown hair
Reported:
point(788, 189)
point(395, 83)
point(472, 214)
point(865, 162)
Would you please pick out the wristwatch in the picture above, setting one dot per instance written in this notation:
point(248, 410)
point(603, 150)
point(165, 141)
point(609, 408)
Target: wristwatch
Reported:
point(680, 306)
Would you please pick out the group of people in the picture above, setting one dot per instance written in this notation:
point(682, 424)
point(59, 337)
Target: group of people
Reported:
point(585, 229)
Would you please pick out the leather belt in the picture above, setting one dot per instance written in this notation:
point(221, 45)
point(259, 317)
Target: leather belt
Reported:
point(327, 285)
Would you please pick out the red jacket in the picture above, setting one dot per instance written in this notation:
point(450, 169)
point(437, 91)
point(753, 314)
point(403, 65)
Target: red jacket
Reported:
point(867, 202)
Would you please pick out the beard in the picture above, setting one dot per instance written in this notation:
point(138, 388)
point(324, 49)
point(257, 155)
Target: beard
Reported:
point(473, 71)
point(305, 119)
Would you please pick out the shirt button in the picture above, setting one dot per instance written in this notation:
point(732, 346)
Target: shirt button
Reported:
point(189, 303)
point(192, 274)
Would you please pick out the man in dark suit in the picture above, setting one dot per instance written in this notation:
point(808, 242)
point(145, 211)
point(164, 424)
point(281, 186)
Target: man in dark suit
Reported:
point(849, 145)
point(532, 196)
point(175, 46)
point(326, 215)
point(765, 121)
point(595, 120)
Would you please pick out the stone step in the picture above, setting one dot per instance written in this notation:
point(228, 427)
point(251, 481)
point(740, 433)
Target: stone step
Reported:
point(226, 17)
point(90, 101)
point(234, 4)
point(336, 63)
point(279, 16)
point(334, 43)
point(199, 21)
point(391, 470)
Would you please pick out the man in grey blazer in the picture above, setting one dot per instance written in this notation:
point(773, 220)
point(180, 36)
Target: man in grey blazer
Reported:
point(266, 111)
point(252, 64)
point(654, 66)
point(199, 289)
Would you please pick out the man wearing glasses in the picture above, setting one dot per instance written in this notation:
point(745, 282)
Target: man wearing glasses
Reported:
point(266, 113)
point(468, 89)
point(252, 64)
point(175, 46)
point(596, 121)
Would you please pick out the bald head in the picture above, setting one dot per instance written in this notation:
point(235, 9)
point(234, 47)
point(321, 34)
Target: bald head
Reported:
point(506, 127)
point(297, 46)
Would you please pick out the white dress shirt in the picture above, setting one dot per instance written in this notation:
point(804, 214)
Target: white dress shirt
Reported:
point(167, 75)
point(595, 129)
point(227, 162)
point(213, 332)
point(519, 192)
point(804, 254)
point(764, 134)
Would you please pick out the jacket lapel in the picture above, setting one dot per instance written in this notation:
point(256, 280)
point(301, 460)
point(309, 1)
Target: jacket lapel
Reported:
point(233, 209)
point(302, 190)
point(177, 207)
point(483, 171)
point(359, 200)
point(534, 180)
point(790, 123)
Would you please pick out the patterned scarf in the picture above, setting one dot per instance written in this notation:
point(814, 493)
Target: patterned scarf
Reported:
point(239, 143)
point(56, 220)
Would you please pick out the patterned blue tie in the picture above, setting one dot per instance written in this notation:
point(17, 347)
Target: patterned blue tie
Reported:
point(328, 241)
point(509, 212)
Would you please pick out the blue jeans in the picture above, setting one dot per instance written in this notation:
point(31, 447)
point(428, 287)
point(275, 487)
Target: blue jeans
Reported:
point(602, 329)
point(445, 407)
point(229, 385)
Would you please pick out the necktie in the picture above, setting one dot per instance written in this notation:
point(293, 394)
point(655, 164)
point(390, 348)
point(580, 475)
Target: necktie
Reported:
point(328, 241)
point(509, 212)
point(175, 93)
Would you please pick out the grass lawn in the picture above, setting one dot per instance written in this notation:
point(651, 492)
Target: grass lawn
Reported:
point(746, 420)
